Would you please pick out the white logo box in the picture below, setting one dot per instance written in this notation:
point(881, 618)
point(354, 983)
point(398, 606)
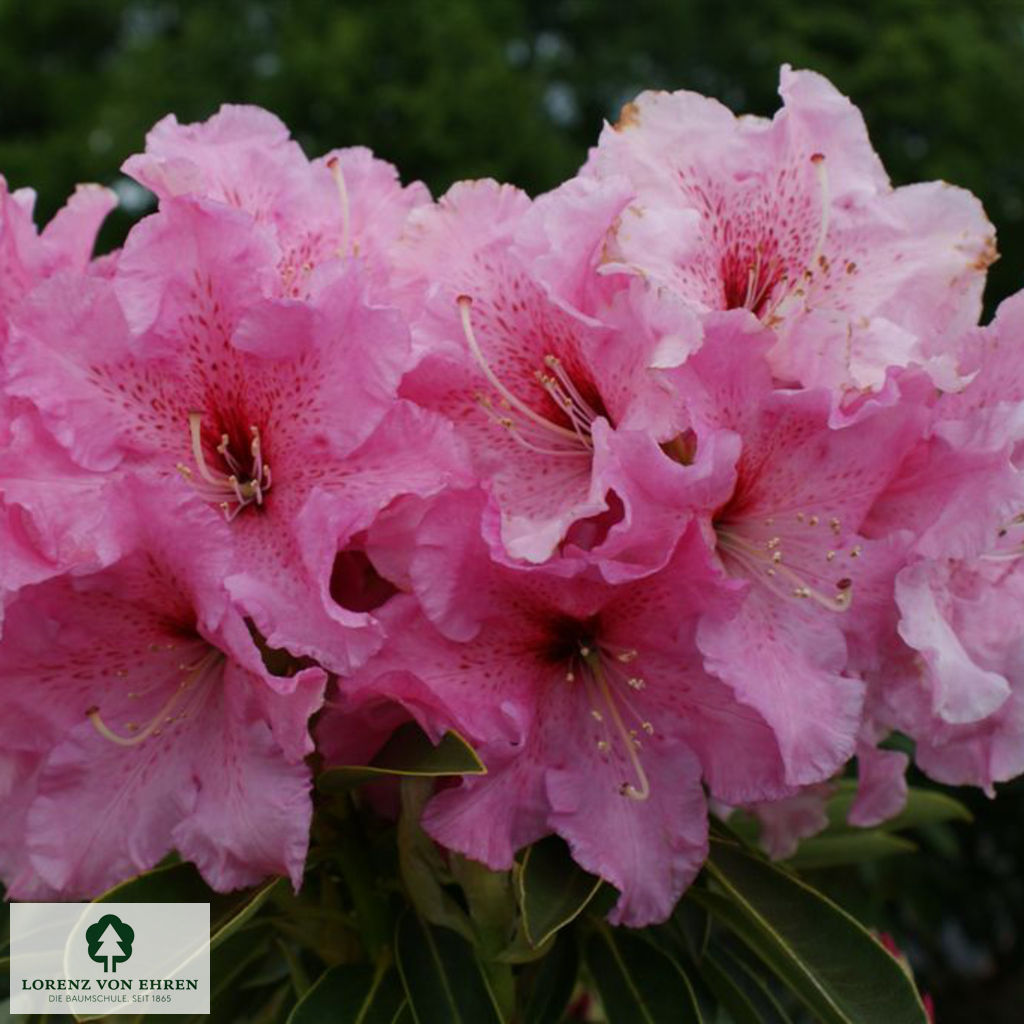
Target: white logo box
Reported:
point(99, 958)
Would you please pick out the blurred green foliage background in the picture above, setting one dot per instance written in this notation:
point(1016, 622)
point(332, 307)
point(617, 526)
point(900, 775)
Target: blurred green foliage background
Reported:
point(517, 89)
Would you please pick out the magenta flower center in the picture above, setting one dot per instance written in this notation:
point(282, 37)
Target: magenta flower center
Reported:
point(233, 475)
point(762, 266)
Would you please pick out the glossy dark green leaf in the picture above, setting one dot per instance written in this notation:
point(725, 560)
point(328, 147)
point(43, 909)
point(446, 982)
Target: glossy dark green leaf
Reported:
point(409, 752)
point(423, 870)
point(548, 984)
point(637, 982)
point(442, 976)
point(351, 994)
point(493, 915)
point(182, 883)
point(685, 934)
point(552, 889)
point(229, 963)
point(819, 951)
point(740, 990)
point(924, 807)
point(827, 851)
point(237, 953)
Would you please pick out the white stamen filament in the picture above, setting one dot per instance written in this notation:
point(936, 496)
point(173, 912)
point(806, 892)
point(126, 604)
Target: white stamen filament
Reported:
point(195, 421)
point(818, 159)
point(215, 486)
point(519, 435)
point(572, 398)
point(760, 281)
point(641, 790)
point(194, 674)
point(334, 165)
point(769, 566)
point(555, 386)
point(1008, 546)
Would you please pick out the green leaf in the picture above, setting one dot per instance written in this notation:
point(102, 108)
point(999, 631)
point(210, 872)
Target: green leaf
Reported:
point(924, 807)
point(423, 870)
point(442, 976)
point(549, 982)
point(818, 950)
point(351, 994)
point(491, 900)
point(552, 889)
point(637, 982)
point(237, 953)
point(354, 860)
point(739, 989)
point(493, 915)
point(408, 752)
point(182, 883)
point(827, 851)
point(685, 934)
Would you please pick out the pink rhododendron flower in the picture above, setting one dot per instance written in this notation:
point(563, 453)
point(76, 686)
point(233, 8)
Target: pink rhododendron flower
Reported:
point(347, 203)
point(956, 682)
point(138, 718)
point(588, 703)
point(27, 257)
point(794, 219)
point(282, 414)
point(949, 670)
point(788, 533)
point(554, 382)
point(685, 482)
point(55, 516)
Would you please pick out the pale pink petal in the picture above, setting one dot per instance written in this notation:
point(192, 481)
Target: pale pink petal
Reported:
point(881, 786)
point(786, 662)
point(69, 238)
point(252, 812)
point(962, 690)
point(784, 823)
point(649, 851)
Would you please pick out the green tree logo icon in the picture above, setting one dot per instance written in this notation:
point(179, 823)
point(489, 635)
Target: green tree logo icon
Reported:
point(110, 942)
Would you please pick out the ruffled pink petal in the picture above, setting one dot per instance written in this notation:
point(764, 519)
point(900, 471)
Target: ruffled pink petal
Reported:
point(786, 663)
point(490, 818)
point(252, 813)
point(103, 813)
point(962, 690)
point(69, 238)
point(881, 786)
point(649, 851)
point(59, 516)
point(784, 823)
point(935, 493)
point(286, 555)
point(68, 326)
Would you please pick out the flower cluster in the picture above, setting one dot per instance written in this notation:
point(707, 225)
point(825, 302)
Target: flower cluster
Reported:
point(689, 480)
